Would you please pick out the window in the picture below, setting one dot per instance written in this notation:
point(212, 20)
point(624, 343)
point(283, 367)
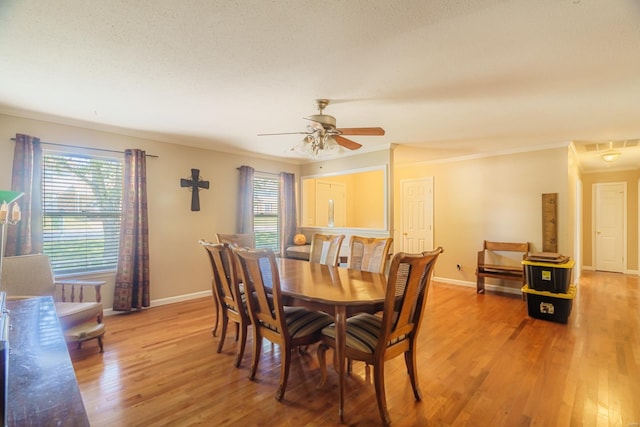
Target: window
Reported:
point(266, 223)
point(81, 206)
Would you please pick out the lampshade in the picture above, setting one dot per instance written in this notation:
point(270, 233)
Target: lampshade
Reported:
point(305, 147)
point(610, 156)
point(317, 146)
point(330, 147)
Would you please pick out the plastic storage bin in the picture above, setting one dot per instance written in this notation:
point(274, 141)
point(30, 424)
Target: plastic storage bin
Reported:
point(548, 305)
point(546, 276)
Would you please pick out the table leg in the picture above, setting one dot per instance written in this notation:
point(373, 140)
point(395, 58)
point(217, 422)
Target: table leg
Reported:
point(341, 337)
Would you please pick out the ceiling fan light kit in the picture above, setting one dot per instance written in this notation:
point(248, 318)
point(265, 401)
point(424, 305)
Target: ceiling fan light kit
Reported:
point(323, 138)
point(315, 146)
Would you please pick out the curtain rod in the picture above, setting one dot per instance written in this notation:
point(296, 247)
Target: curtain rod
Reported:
point(86, 148)
point(265, 172)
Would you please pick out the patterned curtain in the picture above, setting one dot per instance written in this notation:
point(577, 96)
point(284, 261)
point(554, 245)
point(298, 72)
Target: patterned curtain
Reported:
point(25, 237)
point(288, 217)
point(245, 202)
point(132, 276)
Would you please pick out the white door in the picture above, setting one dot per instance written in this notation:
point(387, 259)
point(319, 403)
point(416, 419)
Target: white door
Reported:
point(609, 220)
point(417, 214)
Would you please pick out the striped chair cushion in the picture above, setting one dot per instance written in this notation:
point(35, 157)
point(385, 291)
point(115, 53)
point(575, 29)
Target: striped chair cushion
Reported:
point(302, 323)
point(363, 331)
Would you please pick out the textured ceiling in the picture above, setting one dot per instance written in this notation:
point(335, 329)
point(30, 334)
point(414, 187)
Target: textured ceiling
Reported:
point(444, 78)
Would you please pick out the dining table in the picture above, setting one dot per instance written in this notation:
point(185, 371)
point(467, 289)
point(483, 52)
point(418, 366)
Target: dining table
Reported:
point(338, 291)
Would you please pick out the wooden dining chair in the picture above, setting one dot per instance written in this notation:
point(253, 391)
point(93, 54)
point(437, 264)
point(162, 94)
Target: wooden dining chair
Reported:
point(369, 253)
point(240, 240)
point(289, 327)
point(325, 249)
point(231, 299)
point(214, 292)
point(374, 339)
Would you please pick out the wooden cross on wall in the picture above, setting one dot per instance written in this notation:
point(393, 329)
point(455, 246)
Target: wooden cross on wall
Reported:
point(194, 184)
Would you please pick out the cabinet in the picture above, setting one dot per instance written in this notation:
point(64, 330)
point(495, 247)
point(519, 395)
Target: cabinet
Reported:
point(42, 385)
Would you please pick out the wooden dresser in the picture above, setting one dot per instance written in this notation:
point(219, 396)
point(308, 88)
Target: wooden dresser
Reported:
point(42, 386)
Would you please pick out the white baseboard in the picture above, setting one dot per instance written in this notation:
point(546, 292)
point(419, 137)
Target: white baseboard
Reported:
point(454, 282)
point(591, 268)
point(165, 301)
point(504, 289)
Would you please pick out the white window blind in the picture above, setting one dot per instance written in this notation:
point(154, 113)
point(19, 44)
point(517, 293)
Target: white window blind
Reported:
point(82, 202)
point(266, 223)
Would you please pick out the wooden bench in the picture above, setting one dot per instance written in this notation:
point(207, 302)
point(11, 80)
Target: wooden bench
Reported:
point(492, 264)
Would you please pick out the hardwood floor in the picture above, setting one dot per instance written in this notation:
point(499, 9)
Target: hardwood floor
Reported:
point(482, 362)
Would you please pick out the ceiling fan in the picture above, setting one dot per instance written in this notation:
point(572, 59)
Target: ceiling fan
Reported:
point(323, 135)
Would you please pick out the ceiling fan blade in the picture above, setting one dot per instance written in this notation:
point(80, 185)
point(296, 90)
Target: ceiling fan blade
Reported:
point(284, 133)
point(346, 143)
point(362, 131)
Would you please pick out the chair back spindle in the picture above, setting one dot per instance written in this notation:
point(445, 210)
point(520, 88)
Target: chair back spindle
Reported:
point(261, 278)
point(225, 276)
point(325, 249)
point(407, 289)
point(369, 253)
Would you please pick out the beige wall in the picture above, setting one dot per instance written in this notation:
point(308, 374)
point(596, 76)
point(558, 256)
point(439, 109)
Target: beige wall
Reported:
point(347, 163)
point(574, 213)
point(630, 177)
point(493, 198)
point(350, 163)
point(368, 205)
point(365, 202)
point(178, 263)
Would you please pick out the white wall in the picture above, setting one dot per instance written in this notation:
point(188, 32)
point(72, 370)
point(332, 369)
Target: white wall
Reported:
point(348, 164)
